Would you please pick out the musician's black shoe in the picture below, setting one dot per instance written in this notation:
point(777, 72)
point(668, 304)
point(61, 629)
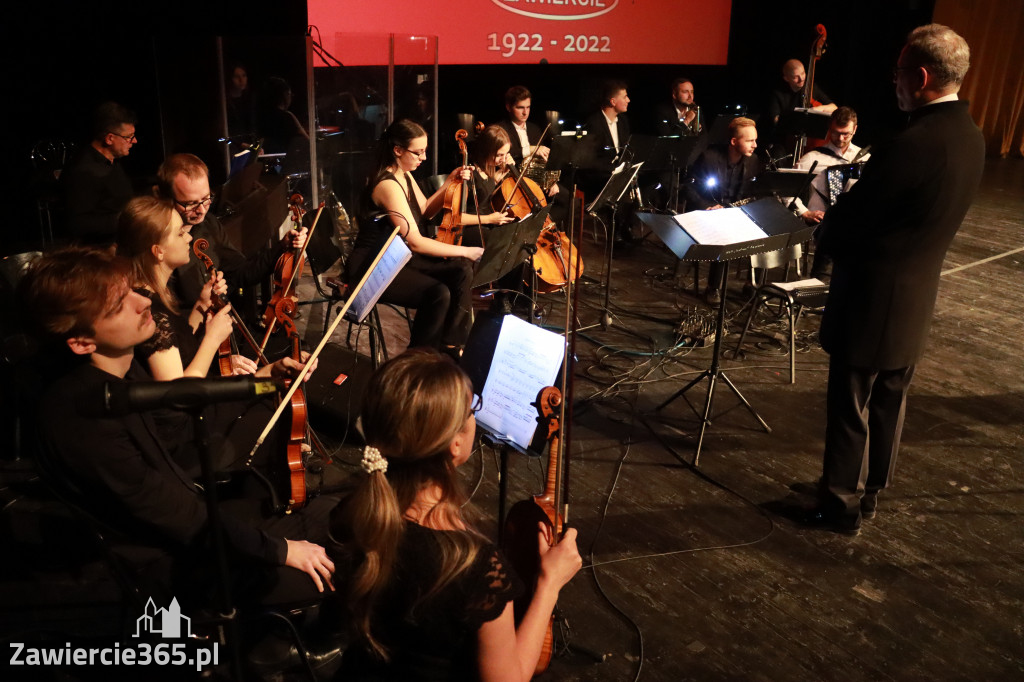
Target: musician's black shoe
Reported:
point(819, 518)
point(869, 505)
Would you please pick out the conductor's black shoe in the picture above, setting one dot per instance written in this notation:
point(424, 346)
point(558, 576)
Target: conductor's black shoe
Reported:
point(869, 506)
point(824, 520)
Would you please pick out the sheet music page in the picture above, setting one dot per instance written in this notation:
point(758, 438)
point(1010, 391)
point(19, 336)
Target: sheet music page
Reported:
point(526, 359)
point(720, 227)
point(394, 259)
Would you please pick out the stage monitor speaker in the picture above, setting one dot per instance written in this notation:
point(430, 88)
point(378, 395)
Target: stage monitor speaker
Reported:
point(335, 392)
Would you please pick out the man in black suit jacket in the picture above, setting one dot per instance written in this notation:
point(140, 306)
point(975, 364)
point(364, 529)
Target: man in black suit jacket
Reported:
point(608, 129)
point(123, 472)
point(517, 103)
point(721, 176)
point(679, 116)
point(888, 237)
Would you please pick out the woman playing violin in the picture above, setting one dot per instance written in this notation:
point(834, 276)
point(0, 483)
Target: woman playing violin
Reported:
point(153, 237)
point(437, 281)
point(430, 596)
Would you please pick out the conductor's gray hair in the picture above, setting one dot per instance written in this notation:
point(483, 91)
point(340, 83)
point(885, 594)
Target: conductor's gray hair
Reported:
point(940, 50)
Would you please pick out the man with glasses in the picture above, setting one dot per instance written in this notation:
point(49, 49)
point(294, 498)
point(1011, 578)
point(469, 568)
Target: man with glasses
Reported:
point(96, 187)
point(185, 179)
point(837, 150)
point(888, 237)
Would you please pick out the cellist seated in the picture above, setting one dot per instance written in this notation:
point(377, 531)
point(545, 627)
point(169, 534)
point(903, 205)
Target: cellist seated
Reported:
point(437, 281)
point(435, 601)
point(82, 302)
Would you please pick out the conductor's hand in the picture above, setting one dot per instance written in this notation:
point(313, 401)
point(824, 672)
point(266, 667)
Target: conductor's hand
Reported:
point(312, 560)
point(496, 218)
point(558, 563)
point(812, 217)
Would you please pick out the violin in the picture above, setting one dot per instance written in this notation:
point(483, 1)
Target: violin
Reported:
point(288, 267)
point(520, 536)
point(556, 261)
point(294, 456)
point(226, 350)
point(454, 204)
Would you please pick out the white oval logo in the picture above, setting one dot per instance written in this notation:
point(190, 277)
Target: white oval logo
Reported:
point(597, 7)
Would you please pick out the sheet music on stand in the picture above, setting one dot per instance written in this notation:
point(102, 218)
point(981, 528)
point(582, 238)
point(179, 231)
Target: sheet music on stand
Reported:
point(396, 255)
point(720, 227)
point(616, 186)
point(509, 372)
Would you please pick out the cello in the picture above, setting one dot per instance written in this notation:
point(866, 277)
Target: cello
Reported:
point(556, 262)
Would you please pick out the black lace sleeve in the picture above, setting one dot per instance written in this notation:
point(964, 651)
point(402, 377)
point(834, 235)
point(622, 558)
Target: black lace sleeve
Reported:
point(494, 585)
point(163, 338)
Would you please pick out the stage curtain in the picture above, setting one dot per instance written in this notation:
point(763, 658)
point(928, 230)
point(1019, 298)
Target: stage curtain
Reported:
point(995, 83)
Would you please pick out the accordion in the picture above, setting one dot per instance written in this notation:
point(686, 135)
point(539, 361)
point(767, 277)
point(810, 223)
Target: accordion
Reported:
point(837, 179)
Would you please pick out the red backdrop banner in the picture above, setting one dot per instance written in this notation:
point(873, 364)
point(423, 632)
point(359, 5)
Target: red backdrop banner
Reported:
point(527, 31)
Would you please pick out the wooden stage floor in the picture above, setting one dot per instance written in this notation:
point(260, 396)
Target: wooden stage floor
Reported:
point(693, 574)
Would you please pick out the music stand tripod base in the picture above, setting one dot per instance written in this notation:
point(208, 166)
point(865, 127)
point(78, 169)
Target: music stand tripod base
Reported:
point(713, 374)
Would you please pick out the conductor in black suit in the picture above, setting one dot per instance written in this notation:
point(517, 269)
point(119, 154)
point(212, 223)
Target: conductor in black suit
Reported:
point(886, 272)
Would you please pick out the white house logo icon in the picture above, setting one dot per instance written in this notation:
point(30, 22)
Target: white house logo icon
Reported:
point(168, 623)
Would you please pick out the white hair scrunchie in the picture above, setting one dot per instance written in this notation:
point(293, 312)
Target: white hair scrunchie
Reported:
point(373, 460)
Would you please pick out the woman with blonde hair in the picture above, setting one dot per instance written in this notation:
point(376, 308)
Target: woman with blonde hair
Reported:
point(151, 234)
point(431, 598)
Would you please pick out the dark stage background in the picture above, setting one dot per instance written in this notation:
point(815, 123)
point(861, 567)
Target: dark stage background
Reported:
point(61, 62)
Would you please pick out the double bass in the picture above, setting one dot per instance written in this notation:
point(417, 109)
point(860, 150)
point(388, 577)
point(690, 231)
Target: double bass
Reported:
point(807, 100)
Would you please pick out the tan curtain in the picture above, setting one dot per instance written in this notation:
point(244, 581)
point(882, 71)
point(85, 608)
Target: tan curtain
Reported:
point(995, 83)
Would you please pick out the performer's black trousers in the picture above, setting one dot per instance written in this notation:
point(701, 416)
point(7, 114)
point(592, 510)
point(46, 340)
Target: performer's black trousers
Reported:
point(439, 289)
point(862, 436)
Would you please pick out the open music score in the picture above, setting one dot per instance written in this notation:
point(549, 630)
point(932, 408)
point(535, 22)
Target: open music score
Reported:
point(391, 262)
point(526, 359)
point(720, 226)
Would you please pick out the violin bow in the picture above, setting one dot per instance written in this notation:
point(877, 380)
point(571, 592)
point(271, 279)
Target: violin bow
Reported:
point(297, 381)
point(527, 163)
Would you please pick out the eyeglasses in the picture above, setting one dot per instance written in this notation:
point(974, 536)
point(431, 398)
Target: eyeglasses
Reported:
point(896, 70)
point(478, 404)
point(190, 206)
point(126, 138)
point(421, 153)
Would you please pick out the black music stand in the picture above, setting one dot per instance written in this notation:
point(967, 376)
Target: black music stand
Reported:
point(509, 245)
point(610, 196)
point(780, 228)
point(802, 124)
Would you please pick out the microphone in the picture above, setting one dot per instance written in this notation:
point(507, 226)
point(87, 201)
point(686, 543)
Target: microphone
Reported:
point(121, 398)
